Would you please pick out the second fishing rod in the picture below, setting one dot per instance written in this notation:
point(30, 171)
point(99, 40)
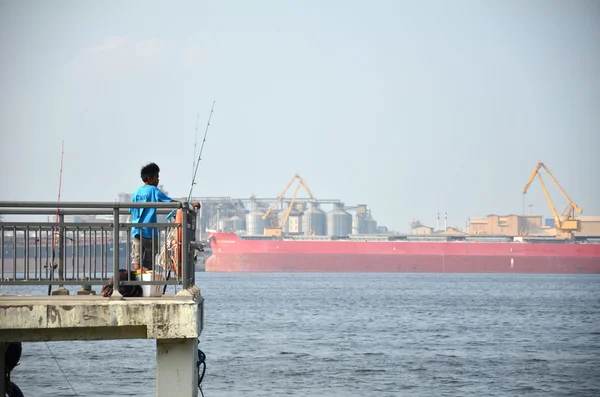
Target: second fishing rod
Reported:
point(195, 164)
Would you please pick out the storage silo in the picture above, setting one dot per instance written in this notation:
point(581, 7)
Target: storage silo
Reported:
point(339, 222)
point(360, 225)
point(372, 226)
point(237, 223)
point(225, 224)
point(255, 224)
point(314, 219)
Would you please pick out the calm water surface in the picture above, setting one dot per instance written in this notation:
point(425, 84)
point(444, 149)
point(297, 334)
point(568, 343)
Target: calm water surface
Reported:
point(358, 335)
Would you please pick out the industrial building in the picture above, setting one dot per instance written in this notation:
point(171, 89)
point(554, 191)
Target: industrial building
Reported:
point(308, 217)
point(519, 225)
point(511, 225)
point(590, 225)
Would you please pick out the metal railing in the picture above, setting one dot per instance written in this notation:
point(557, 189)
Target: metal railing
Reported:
point(58, 252)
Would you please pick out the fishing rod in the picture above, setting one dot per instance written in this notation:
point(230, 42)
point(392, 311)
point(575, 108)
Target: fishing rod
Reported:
point(195, 169)
point(201, 149)
point(195, 143)
point(53, 264)
point(195, 163)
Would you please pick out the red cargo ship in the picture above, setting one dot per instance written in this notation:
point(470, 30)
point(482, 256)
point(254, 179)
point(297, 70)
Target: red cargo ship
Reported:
point(396, 253)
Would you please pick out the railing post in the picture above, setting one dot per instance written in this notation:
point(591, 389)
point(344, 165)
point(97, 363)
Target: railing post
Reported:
point(185, 245)
point(199, 220)
point(61, 248)
point(116, 294)
point(60, 290)
point(194, 239)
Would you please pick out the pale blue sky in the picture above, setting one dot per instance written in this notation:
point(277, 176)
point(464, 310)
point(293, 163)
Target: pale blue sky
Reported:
point(409, 107)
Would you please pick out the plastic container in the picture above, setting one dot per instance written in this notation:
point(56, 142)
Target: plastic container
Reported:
point(150, 290)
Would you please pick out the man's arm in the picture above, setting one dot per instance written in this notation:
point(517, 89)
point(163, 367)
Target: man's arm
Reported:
point(160, 196)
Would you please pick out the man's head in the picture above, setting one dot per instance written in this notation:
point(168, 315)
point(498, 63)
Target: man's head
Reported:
point(150, 173)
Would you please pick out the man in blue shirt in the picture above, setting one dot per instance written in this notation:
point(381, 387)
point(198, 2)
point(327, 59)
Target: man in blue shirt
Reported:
point(148, 193)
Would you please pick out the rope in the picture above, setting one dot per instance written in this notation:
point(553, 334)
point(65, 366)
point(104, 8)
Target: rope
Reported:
point(165, 258)
point(201, 361)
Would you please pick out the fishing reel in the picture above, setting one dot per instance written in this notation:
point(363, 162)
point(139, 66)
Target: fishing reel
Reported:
point(198, 247)
point(52, 266)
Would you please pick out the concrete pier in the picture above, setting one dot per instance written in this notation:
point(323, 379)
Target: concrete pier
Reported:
point(175, 321)
point(94, 253)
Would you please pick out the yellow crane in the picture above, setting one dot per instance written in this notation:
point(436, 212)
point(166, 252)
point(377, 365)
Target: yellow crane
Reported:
point(276, 228)
point(567, 224)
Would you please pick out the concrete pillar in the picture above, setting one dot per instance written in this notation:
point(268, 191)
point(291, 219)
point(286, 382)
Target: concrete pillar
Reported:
point(176, 370)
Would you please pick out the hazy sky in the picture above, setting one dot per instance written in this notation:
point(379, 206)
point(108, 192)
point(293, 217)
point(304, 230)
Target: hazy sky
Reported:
point(409, 107)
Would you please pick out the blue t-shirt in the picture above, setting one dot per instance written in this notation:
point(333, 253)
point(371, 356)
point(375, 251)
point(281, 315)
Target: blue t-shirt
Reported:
point(146, 194)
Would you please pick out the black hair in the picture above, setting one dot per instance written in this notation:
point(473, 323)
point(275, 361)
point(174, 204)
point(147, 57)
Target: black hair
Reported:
point(149, 170)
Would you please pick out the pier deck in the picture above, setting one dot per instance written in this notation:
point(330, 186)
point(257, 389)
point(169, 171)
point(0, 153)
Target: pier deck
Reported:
point(91, 317)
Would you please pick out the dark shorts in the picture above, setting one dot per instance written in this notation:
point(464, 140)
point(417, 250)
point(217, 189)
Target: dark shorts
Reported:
point(146, 251)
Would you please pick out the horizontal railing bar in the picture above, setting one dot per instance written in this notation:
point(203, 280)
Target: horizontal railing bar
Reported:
point(50, 225)
point(86, 225)
point(87, 204)
point(29, 211)
point(171, 281)
point(155, 225)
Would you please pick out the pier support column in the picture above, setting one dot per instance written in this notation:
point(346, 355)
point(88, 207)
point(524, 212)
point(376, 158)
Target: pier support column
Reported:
point(176, 369)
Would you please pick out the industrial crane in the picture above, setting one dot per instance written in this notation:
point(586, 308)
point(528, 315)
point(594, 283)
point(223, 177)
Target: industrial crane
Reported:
point(567, 224)
point(276, 228)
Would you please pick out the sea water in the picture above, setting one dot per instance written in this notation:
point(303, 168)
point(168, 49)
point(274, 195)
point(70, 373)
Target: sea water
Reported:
point(312, 334)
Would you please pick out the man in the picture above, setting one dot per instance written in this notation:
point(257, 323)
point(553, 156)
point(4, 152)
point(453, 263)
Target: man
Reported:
point(148, 193)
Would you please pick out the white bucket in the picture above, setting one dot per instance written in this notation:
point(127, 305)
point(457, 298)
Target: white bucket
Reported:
point(150, 290)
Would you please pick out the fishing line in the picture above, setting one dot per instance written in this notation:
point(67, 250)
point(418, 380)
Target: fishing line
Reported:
point(61, 370)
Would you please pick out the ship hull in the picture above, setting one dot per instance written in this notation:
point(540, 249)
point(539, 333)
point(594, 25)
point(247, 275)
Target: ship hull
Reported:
point(232, 254)
point(399, 264)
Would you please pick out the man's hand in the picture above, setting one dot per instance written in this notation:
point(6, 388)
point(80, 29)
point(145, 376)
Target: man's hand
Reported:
point(196, 205)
